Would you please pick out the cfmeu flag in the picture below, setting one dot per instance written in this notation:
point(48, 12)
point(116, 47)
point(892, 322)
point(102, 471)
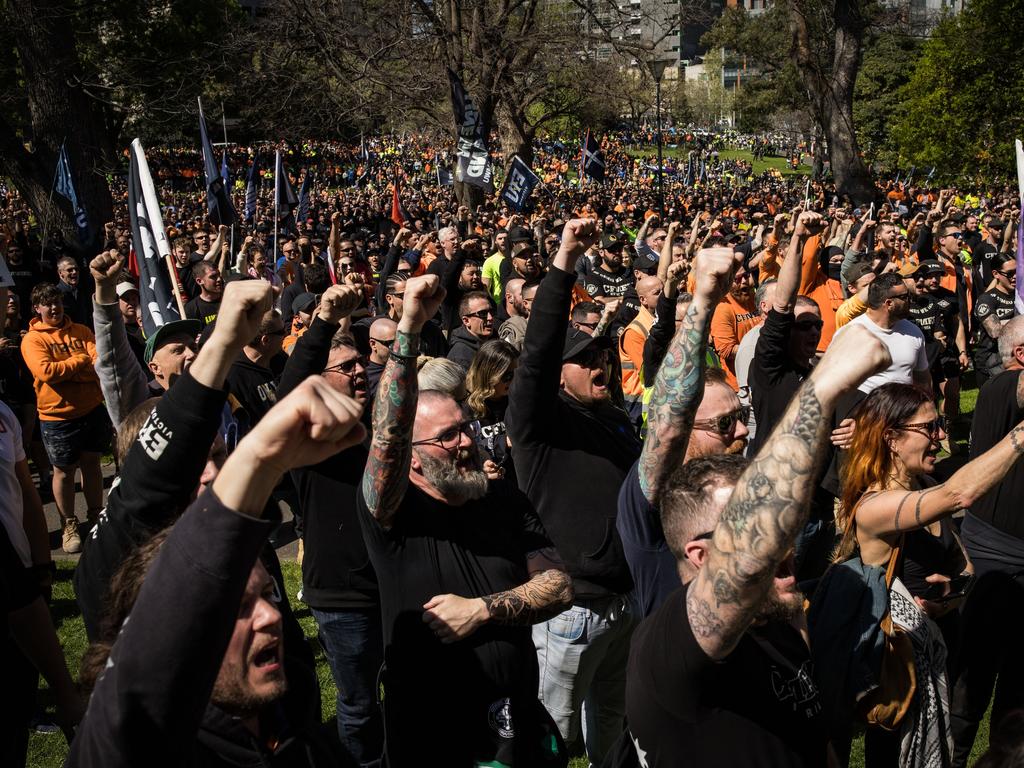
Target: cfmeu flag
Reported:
point(592, 158)
point(217, 200)
point(285, 200)
point(519, 184)
point(157, 300)
point(1018, 298)
point(474, 163)
point(307, 185)
point(64, 185)
point(252, 189)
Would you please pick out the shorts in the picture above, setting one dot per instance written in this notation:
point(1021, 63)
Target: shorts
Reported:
point(65, 441)
point(945, 368)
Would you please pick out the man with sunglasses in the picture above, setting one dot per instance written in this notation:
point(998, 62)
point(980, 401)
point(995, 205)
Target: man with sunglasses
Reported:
point(464, 567)
point(573, 448)
point(477, 314)
point(993, 309)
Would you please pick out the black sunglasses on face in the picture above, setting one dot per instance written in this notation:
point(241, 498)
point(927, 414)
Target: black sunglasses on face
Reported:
point(483, 314)
point(347, 367)
point(383, 342)
point(724, 425)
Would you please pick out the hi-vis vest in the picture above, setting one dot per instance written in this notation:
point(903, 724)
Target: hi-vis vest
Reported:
point(632, 374)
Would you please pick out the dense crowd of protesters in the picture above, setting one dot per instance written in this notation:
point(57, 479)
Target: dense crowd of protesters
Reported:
point(659, 483)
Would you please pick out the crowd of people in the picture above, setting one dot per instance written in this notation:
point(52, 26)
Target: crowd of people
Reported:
point(658, 484)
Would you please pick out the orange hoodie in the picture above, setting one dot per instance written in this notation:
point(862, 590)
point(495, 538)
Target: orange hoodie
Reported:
point(61, 360)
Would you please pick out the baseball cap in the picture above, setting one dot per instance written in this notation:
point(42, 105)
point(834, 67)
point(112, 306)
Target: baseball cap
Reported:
point(644, 264)
point(930, 267)
point(166, 331)
point(304, 302)
point(523, 247)
point(577, 342)
point(858, 270)
point(123, 288)
point(611, 241)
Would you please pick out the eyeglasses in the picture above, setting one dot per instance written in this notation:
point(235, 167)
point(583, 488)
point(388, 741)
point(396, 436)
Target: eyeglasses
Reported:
point(397, 294)
point(929, 429)
point(483, 314)
point(347, 264)
point(527, 256)
point(580, 323)
point(1007, 272)
point(553, 241)
point(450, 438)
point(347, 367)
point(808, 325)
point(383, 342)
point(724, 424)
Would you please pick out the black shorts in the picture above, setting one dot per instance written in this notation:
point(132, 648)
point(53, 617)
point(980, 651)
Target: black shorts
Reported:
point(65, 441)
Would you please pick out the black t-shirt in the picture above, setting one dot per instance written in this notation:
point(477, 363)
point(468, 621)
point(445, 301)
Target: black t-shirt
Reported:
point(474, 699)
point(774, 377)
point(757, 707)
point(995, 414)
point(990, 304)
point(651, 563)
point(202, 310)
point(603, 284)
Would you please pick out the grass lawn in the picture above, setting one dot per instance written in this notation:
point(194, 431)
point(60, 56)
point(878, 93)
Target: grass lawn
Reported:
point(49, 750)
point(760, 166)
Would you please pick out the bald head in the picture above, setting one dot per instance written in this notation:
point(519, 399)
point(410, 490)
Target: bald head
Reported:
point(648, 289)
point(514, 296)
point(382, 336)
point(1011, 343)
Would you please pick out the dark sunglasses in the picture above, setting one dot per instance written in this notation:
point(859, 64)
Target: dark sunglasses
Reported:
point(957, 235)
point(348, 366)
point(483, 314)
point(724, 424)
point(591, 358)
point(383, 342)
point(928, 428)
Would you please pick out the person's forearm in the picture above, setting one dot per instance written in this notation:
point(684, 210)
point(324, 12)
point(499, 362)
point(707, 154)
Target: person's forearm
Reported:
point(308, 357)
point(33, 631)
point(211, 366)
point(678, 391)
point(33, 518)
point(789, 275)
point(544, 596)
point(218, 243)
point(961, 336)
point(244, 483)
point(394, 410)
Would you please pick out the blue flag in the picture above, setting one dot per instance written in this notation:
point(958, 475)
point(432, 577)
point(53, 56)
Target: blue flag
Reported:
point(217, 200)
point(64, 185)
point(444, 176)
point(224, 174)
point(591, 158)
point(252, 189)
point(519, 184)
point(285, 200)
point(304, 191)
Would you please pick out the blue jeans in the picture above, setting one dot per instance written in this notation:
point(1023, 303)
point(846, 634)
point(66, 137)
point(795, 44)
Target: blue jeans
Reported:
point(582, 654)
point(352, 640)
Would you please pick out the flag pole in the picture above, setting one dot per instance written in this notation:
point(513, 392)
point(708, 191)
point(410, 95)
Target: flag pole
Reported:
point(224, 125)
point(159, 233)
point(277, 188)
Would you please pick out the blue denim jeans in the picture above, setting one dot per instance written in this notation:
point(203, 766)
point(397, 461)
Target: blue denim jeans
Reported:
point(582, 654)
point(352, 640)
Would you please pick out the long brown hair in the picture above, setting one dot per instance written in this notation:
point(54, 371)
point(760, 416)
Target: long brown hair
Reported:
point(870, 461)
point(492, 361)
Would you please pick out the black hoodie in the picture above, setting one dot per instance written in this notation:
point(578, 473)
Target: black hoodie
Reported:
point(464, 346)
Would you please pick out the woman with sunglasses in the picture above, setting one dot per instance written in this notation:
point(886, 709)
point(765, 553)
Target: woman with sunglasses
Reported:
point(891, 507)
point(487, 383)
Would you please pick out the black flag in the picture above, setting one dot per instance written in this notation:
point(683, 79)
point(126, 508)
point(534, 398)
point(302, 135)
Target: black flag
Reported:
point(592, 158)
point(474, 164)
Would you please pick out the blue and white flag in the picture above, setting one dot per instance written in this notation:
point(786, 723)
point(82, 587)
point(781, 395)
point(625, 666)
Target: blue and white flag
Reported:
point(157, 302)
point(252, 189)
point(285, 200)
point(307, 185)
point(474, 162)
point(64, 185)
point(444, 176)
point(217, 200)
point(519, 184)
point(591, 158)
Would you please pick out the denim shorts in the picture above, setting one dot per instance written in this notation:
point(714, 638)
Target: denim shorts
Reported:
point(65, 441)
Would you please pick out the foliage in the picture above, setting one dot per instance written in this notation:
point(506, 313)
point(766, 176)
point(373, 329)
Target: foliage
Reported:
point(889, 58)
point(964, 99)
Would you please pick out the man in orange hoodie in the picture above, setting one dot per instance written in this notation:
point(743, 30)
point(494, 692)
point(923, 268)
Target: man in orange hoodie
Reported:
point(75, 427)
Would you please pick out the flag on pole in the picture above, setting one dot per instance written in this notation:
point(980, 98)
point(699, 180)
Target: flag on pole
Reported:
point(397, 214)
point(688, 179)
point(217, 201)
point(474, 162)
point(252, 189)
point(1018, 298)
point(444, 176)
point(158, 302)
point(703, 169)
point(64, 185)
point(364, 153)
point(285, 200)
point(304, 190)
point(519, 184)
point(591, 158)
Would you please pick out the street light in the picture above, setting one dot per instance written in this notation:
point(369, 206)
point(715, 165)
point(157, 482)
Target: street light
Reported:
point(657, 67)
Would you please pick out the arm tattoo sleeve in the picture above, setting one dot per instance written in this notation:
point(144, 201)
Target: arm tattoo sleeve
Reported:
point(678, 390)
point(544, 596)
point(758, 526)
point(387, 468)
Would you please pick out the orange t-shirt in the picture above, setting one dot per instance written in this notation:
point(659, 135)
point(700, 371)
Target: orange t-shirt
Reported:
point(730, 323)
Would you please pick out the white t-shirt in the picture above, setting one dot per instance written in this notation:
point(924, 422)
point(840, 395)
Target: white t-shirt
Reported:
point(906, 347)
point(12, 511)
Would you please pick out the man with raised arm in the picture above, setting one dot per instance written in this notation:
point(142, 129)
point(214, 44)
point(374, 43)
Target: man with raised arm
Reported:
point(690, 414)
point(464, 567)
point(720, 674)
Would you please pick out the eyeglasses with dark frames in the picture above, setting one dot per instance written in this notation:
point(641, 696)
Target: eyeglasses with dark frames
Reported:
point(450, 438)
point(725, 424)
point(482, 314)
point(347, 367)
point(929, 429)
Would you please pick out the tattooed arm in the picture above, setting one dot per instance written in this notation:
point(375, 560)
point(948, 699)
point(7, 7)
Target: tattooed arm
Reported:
point(386, 476)
point(547, 593)
point(900, 511)
point(770, 502)
point(679, 385)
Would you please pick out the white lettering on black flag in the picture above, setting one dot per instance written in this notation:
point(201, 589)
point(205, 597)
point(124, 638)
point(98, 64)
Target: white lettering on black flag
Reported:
point(474, 164)
point(519, 184)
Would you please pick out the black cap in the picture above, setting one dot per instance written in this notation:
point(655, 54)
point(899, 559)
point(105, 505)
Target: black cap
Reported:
point(930, 267)
point(611, 240)
point(304, 302)
point(644, 264)
point(577, 342)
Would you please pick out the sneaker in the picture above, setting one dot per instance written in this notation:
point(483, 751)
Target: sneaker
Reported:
point(71, 542)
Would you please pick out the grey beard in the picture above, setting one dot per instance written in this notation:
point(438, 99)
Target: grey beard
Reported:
point(446, 477)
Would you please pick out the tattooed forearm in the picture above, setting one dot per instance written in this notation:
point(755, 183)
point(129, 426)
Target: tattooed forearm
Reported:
point(1017, 437)
point(544, 596)
point(387, 468)
point(760, 523)
point(678, 390)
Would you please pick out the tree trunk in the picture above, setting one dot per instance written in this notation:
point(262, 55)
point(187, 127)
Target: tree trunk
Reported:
point(61, 112)
point(516, 136)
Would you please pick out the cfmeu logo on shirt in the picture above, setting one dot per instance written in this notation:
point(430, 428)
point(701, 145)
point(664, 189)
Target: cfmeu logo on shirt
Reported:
point(155, 436)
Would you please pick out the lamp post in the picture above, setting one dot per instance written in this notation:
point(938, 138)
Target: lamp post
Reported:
point(657, 70)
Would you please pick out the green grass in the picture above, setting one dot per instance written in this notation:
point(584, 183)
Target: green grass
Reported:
point(49, 750)
point(780, 164)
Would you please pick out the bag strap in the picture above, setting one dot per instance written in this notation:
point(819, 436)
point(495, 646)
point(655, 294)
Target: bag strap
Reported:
point(894, 559)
